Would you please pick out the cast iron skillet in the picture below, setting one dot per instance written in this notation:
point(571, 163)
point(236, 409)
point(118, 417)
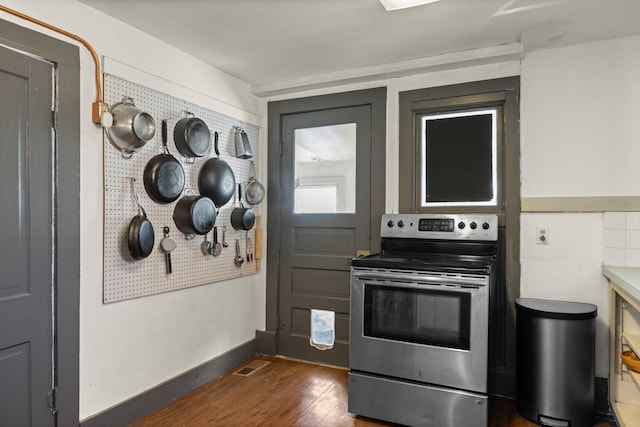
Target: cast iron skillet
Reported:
point(140, 236)
point(216, 179)
point(163, 174)
point(192, 137)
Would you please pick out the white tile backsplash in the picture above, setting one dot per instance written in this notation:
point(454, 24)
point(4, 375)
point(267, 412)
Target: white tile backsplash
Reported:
point(633, 220)
point(615, 220)
point(633, 257)
point(621, 238)
point(615, 239)
point(615, 256)
point(633, 239)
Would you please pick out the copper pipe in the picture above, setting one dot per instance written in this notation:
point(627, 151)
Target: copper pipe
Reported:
point(97, 107)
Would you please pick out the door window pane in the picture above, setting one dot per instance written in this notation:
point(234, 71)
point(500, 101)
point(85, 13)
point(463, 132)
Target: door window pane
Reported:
point(325, 169)
point(459, 165)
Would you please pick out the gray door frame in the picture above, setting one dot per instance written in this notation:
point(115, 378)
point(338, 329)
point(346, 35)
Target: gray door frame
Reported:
point(67, 207)
point(377, 99)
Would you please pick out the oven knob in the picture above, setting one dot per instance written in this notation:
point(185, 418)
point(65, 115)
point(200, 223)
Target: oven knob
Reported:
point(461, 225)
point(390, 223)
point(473, 225)
point(485, 225)
point(401, 223)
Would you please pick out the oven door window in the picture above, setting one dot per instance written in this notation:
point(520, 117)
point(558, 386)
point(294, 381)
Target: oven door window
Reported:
point(421, 316)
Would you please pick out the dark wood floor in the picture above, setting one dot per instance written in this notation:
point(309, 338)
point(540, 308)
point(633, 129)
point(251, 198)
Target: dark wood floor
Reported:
point(284, 392)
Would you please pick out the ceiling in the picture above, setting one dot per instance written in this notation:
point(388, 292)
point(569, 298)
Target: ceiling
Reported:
point(273, 44)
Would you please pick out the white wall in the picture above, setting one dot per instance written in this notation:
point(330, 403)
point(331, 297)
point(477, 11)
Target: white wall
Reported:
point(131, 346)
point(579, 137)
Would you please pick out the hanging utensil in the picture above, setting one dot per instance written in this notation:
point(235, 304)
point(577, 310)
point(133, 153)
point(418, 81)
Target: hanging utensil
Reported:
point(167, 244)
point(224, 237)
point(205, 246)
point(140, 236)
point(211, 248)
point(243, 147)
point(249, 248)
point(239, 259)
point(217, 247)
point(258, 241)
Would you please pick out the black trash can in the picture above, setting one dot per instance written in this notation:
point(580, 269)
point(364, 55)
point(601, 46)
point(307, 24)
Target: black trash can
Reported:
point(555, 362)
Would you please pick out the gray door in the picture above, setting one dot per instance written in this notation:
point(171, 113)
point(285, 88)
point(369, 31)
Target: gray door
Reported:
point(325, 219)
point(26, 255)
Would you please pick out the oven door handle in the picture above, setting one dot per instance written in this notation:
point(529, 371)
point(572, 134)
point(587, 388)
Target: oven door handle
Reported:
point(418, 280)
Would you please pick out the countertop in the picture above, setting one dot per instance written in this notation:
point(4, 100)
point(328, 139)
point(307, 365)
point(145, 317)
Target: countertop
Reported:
point(624, 278)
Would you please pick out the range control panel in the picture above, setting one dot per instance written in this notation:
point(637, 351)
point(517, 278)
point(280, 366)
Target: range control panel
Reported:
point(440, 226)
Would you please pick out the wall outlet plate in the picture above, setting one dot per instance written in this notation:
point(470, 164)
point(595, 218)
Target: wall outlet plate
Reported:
point(542, 235)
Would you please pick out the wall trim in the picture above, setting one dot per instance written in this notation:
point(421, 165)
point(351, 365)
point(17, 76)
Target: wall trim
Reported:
point(580, 204)
point(164, 393)
point(449, 61)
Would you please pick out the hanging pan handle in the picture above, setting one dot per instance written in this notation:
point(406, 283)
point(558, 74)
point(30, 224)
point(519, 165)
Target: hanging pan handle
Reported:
point(215, 143)
point(164, 137)
point(141, 210)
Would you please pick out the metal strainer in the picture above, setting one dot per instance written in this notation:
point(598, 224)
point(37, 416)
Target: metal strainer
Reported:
point(132, 128)
point(253, 191)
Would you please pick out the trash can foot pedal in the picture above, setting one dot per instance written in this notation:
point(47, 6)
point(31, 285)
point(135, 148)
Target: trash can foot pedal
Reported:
point(552, 422)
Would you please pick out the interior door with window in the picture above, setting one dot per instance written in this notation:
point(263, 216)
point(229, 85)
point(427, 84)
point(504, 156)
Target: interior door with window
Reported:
point(326, 217)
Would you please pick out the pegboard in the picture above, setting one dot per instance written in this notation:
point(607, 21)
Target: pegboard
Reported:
point(126, 278)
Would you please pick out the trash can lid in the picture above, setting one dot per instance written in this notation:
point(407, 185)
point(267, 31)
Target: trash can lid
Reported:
point(556, 309)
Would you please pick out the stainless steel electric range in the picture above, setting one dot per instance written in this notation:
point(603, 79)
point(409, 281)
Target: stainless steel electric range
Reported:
point(418, 349)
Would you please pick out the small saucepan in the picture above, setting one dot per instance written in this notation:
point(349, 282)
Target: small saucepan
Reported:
point(192, 137)
point(163, 174)
point(194, 214)
point(140, 237)
point(242, 218)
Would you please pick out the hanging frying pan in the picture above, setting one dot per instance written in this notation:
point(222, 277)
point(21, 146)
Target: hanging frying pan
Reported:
point(163, 174)
point(140, 236)
point(192, 137)
point(216, 179)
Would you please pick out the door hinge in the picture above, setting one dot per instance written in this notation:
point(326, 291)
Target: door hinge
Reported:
point(51, 400)
point(281, 323)
point(54, 119)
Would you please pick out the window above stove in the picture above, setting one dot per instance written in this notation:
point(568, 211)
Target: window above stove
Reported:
point(458, 158)
point(459, 148)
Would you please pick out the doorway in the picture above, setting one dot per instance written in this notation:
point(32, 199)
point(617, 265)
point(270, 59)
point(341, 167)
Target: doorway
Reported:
point(326, 198)
point(40, 184)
